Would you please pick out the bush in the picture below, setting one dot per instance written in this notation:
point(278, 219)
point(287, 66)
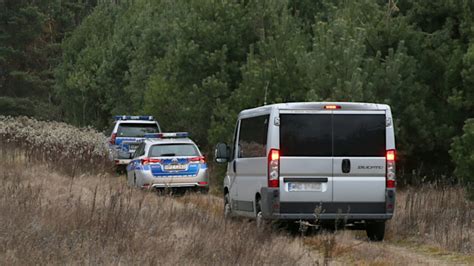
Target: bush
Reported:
point(462, 154)
point(61, 146)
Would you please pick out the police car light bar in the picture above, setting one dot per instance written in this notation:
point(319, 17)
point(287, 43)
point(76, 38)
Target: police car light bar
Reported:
point(174, 135)
point(133, 117)
point(167, 135)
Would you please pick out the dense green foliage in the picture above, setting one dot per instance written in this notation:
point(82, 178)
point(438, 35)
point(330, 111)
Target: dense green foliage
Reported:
point(195, 64)
point(31, 32)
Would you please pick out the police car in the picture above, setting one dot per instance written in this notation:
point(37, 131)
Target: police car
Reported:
point(127, 133)
point(168, 160)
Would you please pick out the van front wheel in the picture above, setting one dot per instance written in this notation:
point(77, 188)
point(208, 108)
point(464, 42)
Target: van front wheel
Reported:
point(375, 231)
point(227, 208)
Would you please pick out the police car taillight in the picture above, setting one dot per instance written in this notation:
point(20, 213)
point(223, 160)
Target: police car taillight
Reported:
point(274, 168)
point(390, 175)
point(112, 138)
point(146, 161)
point(200, 159)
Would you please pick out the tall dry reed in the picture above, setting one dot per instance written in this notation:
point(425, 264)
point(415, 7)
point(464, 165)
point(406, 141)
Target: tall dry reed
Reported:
point(439, 215)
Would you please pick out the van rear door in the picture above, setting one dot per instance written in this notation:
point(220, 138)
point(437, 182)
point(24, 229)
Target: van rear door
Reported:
point(359, 147)
point(305, 159)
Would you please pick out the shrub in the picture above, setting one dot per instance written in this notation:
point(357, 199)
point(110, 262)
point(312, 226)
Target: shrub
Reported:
point(61, 146)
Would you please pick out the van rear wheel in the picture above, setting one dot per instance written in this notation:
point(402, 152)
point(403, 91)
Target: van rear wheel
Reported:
point(259, 216)
point(375, 231)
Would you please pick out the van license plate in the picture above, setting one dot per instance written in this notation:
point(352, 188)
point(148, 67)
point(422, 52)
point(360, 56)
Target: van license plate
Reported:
point(300, 186)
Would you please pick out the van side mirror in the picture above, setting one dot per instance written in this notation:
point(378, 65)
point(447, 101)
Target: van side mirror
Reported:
point(222, 153)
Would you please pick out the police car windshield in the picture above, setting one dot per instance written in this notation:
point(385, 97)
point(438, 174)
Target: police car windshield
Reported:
point(164, 150)
point(135, 129)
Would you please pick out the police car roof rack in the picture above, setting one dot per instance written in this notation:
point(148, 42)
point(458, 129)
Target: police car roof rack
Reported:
point(167, 135)
point(133, 117)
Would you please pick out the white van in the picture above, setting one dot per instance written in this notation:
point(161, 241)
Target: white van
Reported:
point(322, 161)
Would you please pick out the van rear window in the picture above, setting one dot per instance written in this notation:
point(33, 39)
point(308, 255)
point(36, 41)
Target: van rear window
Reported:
point(305, 135)
point(360, 135)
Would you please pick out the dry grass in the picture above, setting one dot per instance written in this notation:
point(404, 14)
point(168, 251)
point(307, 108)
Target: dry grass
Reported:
point(49, 218)
point(54, 210)
point(437, 216)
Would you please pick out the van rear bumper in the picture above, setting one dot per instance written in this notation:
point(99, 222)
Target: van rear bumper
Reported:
point(273, 209)
point(329, 216)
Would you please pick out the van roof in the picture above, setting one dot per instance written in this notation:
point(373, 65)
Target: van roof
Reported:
point(348, 106)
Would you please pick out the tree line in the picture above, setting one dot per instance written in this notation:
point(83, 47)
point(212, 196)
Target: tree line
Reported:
point(195, 64)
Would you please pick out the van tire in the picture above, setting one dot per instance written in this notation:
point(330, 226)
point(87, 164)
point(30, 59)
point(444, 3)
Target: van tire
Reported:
point(259, 220)
point(227, 207)
point(375, 231)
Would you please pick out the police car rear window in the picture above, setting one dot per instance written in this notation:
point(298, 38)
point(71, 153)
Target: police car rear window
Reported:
point(135, 129)
point(164, 150)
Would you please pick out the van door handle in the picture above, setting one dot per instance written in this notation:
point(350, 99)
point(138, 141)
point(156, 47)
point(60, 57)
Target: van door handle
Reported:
point(346, 166)
point(234, 166)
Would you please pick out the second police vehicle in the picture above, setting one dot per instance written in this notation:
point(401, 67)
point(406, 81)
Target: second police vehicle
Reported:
point(168, 160)
point(127, 133)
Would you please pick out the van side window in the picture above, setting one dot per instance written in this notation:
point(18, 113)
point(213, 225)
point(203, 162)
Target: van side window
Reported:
point(234, 140)
point(253, 137)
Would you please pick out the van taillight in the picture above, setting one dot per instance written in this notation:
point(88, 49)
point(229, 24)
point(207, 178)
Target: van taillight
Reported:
point(274, 168)
point(112, 139)
point(390, 175)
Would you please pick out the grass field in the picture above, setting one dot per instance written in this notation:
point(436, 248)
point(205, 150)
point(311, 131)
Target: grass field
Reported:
point(51, 218)
point(78, 214)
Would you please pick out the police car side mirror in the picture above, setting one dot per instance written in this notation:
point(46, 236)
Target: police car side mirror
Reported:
point(222, 153)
